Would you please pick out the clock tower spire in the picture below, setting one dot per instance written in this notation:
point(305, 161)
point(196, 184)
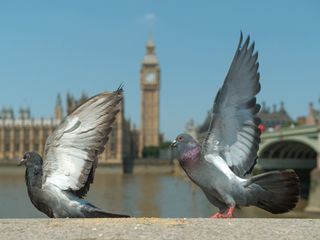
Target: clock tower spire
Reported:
point(150, 86)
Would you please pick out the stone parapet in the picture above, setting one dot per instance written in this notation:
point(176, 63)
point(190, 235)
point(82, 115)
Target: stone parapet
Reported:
point(154, 228)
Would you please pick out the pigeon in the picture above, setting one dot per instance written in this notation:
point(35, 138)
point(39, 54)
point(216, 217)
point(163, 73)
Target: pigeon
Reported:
point(222, 164)
point(58, 182)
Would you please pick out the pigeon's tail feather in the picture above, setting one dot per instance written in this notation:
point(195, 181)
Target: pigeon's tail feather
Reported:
point(90, 211)
point(275, 192)
point(101, 214)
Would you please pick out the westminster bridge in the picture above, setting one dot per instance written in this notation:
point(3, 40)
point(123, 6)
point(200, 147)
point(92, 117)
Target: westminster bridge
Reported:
point(297, 148)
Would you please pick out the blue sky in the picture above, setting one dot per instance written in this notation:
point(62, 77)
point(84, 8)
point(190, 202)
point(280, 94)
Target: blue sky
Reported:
point(47, 47)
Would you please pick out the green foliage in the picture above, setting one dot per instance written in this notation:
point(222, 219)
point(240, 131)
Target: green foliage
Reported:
point(151, 151)
point(165, 145)
point(288, 124)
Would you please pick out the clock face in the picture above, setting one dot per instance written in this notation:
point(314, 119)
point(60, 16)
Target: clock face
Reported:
point(150, 77)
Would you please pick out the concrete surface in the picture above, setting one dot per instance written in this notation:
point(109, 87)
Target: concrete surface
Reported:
point(154, 228)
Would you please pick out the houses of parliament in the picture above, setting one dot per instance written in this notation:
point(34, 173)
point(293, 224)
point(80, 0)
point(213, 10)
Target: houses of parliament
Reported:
point(22, 133)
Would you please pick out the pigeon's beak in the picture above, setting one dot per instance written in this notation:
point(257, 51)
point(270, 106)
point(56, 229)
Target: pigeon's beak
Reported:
point(22, 161)
point(173, 144)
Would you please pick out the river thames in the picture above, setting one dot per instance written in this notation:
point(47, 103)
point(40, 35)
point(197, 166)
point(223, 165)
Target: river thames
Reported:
point(139, 195)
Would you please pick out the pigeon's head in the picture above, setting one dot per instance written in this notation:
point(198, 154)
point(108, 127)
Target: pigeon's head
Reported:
point(186, 147)
point(31, 159)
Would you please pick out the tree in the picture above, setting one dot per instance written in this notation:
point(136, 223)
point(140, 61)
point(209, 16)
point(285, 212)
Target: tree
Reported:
point(151, 151)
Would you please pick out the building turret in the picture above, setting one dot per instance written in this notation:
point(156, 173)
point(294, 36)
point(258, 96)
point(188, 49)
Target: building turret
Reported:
point(313, 115)
point(7, 113)
point(58, 112)
point(282, 108)
point(25, 113)
point(191, 128)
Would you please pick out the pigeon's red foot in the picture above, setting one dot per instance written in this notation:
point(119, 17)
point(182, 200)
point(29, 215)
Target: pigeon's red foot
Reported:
point(228, 214)
point(217, 215)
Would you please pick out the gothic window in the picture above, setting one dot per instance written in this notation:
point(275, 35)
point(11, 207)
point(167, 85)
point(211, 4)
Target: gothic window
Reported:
point(17, 147)
point(16, 134)
point(26, 134)
point(16, 141)
point(6, 140)
point(36, 134)
point(36, 147)
point(6, 134)
point(113, 141)
point(26, 147)
point(45, 133)
point(6, 147)
point(148, 139)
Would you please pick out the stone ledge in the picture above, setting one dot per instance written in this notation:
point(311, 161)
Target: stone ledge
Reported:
point(155, 228)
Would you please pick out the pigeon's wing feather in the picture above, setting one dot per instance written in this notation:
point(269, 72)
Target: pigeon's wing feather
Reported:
point(233, 132)
point(71, 151)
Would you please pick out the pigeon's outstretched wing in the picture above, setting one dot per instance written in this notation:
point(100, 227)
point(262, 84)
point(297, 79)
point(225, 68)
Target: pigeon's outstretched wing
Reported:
point(233, 133)
point(71, 151)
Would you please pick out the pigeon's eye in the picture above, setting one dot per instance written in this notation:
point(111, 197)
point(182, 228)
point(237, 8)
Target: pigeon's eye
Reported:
point(26, 156)
point(180, 139)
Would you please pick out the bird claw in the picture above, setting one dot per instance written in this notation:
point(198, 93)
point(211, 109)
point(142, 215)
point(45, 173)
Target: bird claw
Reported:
point(217, 215)
point(228, 214)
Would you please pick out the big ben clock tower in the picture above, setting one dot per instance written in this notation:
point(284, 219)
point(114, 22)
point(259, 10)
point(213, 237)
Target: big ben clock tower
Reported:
point(150, 85)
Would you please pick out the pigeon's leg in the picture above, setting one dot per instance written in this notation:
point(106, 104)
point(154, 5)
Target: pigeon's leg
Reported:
point(217, 203)
point(221, 213)
point(224, 201)
point(227, 214)
point(217, 215)
point(228, 199)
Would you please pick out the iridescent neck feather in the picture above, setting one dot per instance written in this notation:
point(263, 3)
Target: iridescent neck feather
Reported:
point(192, 155)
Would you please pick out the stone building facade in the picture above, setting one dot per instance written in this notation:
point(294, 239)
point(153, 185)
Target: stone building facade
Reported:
point(24, 133)
point(275, 118)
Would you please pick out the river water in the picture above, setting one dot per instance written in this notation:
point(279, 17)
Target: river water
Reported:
point(139, 195)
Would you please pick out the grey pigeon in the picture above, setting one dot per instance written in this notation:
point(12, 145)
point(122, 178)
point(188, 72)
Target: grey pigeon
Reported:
point(229, 152)
point(58, 182)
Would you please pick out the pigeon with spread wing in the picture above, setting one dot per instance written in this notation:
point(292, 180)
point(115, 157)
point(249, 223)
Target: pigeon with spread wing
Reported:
point(229, 152)
point(57, 183)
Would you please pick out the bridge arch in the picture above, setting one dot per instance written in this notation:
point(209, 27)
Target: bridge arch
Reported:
point(299, 154)
point(289, 148)
point(301, 139)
